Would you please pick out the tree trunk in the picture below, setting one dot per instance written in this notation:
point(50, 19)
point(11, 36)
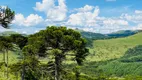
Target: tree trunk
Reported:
point(23, 70)
point(4, 61)
point(77, 74)
point(56, 73)
point(57, 67)
point(7, 65)
point(16, 73)
point(4, 57)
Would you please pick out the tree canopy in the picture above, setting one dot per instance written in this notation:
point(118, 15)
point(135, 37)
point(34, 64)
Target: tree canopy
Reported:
point(57, 43)
point(6, 16)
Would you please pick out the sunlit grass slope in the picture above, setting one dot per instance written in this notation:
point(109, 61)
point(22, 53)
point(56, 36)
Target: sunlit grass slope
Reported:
point(13, 57)
point(113, 48)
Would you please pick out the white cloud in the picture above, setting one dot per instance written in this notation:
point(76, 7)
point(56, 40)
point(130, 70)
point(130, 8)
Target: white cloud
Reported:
point(136, 18)
point(87, 18)
point(45, 5)
point(88, 29)
point(86, 8)
point(115, 22)
point(53, 12)
point(24, 32)
point(138, 27)
point(138, 11)
point(31, 20)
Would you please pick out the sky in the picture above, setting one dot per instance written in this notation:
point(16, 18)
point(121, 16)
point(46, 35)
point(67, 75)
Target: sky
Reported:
point(99, 16)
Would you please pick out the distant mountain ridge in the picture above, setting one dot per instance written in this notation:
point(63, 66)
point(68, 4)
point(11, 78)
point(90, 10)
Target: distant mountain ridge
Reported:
point(93, 36)
point(123, 33)
point(7, 33)
point(118, 34)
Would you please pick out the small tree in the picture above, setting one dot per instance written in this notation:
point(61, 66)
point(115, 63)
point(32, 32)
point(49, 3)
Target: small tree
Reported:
point(6, 45)
point(31, 63)
point(2, 49)
point(6, 16)
point(21, 41)
point(77, 72)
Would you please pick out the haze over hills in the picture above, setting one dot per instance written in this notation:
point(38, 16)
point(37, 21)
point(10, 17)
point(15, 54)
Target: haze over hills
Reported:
point(123, 33)
point(118, 34)
point(7, 33)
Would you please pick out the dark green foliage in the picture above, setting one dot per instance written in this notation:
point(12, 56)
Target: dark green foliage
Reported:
point(30, 63)
point(133, 55)
point(6, 16)
point(134, 51)
point(63, 39)
point(5, 43)
point(19, 39)
point(57, 42)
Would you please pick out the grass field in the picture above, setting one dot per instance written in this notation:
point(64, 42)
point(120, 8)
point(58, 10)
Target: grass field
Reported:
point(113, 48)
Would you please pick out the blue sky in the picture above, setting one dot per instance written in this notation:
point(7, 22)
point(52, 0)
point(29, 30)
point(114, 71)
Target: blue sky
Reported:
point(101, 16)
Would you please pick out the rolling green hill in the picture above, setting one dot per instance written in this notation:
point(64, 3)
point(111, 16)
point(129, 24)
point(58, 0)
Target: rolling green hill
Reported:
point(128, 62)
point(114, 58)
point(90, 36)
point(113, 48)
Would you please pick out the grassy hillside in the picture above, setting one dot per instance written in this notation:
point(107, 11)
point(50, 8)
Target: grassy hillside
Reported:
point(13, 57)
point(90, 36)
point(129, 65)
point(113, 48)
point(113, 58)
